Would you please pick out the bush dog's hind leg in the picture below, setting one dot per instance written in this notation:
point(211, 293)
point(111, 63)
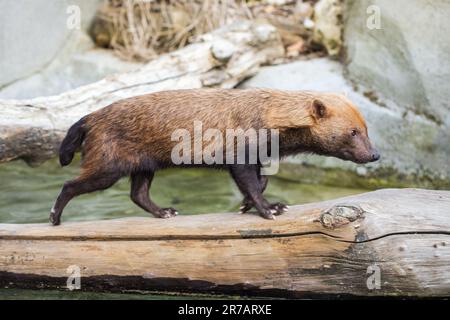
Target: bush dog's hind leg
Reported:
point(247, 203)
point(246, 178)
point(140, 186)
point(82, 184)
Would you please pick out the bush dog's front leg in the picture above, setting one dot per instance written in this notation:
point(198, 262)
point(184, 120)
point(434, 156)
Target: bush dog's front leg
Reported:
point(247, 204)
point(140, 186)
point(246, 178)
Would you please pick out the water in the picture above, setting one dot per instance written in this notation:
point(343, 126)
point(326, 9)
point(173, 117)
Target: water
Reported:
point(27, 194)
point(25, 294)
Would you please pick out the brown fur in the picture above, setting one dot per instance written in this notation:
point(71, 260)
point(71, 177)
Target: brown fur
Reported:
point(133, 135)
point(130, 131)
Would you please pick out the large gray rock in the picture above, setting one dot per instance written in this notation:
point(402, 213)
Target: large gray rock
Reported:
point(67, 72)
point(407, 58)
point(413, 148)
point(35, 37)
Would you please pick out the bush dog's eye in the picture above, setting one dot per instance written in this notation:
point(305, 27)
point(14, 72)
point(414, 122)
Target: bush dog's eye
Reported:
point(354, 132)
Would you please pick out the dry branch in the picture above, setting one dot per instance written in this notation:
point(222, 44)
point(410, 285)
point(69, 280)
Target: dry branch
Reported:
point(139, 30)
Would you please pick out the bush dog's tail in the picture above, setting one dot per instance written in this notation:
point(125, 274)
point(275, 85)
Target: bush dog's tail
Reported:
point(71, 142)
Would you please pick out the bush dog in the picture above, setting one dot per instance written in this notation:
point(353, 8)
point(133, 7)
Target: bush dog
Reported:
point(133, 137)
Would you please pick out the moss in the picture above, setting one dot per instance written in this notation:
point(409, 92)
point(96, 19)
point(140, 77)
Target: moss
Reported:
point(372, 96)
point(379, 178)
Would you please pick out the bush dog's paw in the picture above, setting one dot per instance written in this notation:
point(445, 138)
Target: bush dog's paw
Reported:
point(267, 214)
point(279, 208)
point(167, 213)
point(245, 207)
point(54, 218)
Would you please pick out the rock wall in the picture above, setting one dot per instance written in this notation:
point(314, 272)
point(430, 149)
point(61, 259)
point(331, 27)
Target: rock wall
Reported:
point(406, 59)
point(399, 51)
point(34, 35)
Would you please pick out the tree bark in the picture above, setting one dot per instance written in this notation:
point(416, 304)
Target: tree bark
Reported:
point(33, 129)
point(392, 242)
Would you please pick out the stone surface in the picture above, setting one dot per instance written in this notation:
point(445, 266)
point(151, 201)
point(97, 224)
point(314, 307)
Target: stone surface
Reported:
point(407, 58)
point(34, 37)
point(67, 73)
point(413, 147)
point(328, 25)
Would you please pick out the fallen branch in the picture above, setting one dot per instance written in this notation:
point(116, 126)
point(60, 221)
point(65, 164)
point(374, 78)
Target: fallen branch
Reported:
point(32, 129)
point(392, 242)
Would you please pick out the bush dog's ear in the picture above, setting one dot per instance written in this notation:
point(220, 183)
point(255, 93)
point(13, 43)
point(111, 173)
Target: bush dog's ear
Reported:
point(295, 115)
point(318, 109)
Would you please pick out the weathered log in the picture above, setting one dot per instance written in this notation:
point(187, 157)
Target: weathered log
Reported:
point(392, 242)
point(32, 129)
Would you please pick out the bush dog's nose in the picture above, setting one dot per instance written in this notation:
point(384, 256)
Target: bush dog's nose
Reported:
point(375, 155)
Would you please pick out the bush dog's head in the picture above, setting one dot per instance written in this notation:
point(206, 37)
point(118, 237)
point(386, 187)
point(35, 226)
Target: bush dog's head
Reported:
point(331, 123)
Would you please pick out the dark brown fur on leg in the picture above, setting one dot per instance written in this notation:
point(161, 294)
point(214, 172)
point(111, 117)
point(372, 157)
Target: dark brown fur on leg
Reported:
point(246, 178)
point(77, 187)
point(140, 186)
point(247, 203)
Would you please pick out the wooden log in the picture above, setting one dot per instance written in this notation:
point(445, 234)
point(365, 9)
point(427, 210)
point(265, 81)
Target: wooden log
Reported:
point(33, 129)
point(392, 242)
